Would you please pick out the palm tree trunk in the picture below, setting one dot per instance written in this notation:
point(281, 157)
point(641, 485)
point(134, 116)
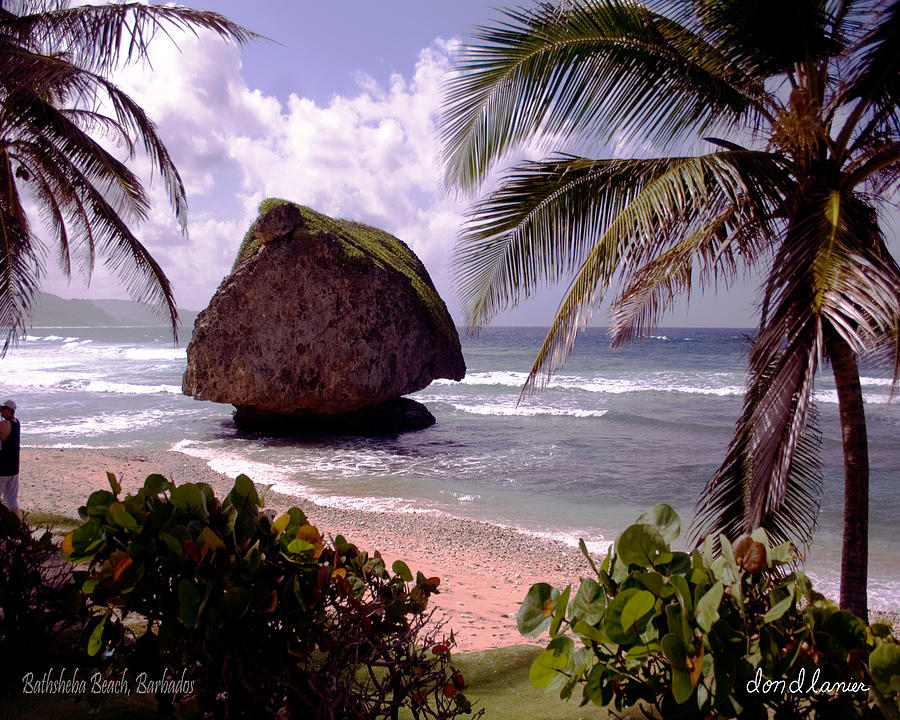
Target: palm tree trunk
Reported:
point(855, 555)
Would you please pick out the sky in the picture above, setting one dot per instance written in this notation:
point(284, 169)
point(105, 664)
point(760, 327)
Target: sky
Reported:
point(338, 111)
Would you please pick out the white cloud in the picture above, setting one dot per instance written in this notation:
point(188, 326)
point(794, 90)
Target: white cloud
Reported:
point(372, 157)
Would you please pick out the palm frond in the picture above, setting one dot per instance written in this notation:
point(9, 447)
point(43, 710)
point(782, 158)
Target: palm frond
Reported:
point(539, 224)
point(717, 252)
point(879, 166)
point(597, 69)
point(824, 279)
point(99, 228)
point(49, 206)
point(634, 216)
point(20, 266)
point(780, 416)
point(52, 131)
point(101, 38)
point(132, 117)
point(871, 85)
point(765, 41)
point(725, 505)
point(57, 100)
point(862, 300)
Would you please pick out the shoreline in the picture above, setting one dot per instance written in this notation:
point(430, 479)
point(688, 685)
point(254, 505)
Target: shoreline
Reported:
point(485, 569)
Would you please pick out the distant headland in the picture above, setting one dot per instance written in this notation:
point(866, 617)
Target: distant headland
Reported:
point(53, 311)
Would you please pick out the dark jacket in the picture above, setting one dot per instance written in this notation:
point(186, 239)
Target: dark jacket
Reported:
point(9, 453)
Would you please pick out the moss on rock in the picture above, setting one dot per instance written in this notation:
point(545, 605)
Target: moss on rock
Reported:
point(358, 243)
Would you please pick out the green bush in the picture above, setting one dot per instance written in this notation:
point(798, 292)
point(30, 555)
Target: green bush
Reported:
point(41, 608)
point(244, 615)
point(686, 635)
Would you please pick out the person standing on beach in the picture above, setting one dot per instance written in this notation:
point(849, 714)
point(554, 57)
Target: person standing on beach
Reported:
point(10, 432)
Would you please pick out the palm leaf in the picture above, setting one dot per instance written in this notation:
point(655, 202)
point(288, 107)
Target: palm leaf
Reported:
point(20, 267)
point(101, 38)
point(725, 505)
point(683, 196)
point(53, 63)
point(717, 252)
point(595, 70)
point(824, 279)
point(871, 85)
point(539, 225)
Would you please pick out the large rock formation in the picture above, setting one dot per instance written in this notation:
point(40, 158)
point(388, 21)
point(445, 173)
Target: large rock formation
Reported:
point(322, 325)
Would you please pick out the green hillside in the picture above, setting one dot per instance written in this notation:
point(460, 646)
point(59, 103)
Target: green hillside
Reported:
point(53, 311)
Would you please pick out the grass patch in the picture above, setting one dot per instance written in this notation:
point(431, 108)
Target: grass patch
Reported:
point(58, 524)
point(498, 682)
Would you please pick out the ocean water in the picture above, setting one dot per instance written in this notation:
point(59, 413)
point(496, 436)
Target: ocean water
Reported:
point(614, 432)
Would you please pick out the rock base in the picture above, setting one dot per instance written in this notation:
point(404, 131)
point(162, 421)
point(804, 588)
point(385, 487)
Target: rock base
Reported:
point(389, 418)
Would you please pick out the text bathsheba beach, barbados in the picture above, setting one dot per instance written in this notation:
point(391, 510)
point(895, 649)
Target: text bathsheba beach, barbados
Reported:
point(74, 682)
point(798, 685)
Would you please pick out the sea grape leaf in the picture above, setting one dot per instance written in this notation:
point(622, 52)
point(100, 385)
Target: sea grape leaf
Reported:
point(590, 632)
point(761, 536)
point(597, 688)
point(191, 499)
point(589, 602)
point(548, 666)
point(536, 611)
point(98, 502)
point(122, 518)
point(778, 609)
point(300, 546)
point(235, 602)
point(681, 685)
point(612, 625)
point(684, 594)
point(638, 606)
point(85, 537)
point(114, 483)
point(172, 543)
point(664, 519)
point(560, 614)
point(677, 623)
point(637, 655)
point(728, 555)
point(584, 551)
point(210, 539)
point(298, 517)
point(676, 650)
point(281, 523)
point(155, 484)
point(847, 628)
point(641, 545)
point(656, 584)
point(884, 664)
point(708, 606)
point(781, 554)
point(582, 659)
point(95, 639)
point(402, 569)
point(188, 603)
point(243, 495)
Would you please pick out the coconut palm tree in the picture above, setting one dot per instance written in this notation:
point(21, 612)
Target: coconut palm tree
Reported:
point(769, 134)
point(57, 106)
